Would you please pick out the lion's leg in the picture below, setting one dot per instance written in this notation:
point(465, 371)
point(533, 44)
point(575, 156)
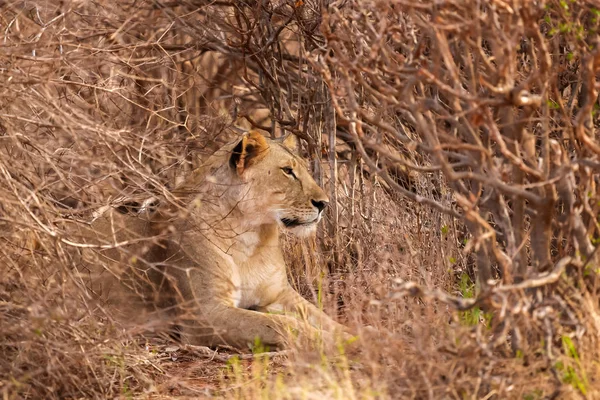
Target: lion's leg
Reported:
point(226, 325)
point(291, 302)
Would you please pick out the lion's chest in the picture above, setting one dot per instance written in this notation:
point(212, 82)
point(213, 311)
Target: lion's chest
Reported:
point(252, 291)
point(257, 278)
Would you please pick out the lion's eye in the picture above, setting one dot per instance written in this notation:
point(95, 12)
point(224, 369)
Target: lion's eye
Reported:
point(289, 171)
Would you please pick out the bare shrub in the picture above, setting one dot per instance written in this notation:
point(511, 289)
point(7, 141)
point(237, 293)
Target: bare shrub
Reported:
point(457, 141)
point(499, 99)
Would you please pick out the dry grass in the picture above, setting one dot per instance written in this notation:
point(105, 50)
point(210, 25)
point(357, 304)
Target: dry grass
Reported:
point(458, 143)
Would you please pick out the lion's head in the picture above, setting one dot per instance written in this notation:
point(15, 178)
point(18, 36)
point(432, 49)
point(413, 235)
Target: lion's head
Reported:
point(276, 185)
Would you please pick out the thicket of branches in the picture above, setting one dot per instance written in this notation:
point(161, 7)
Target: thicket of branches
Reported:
point(475, 120)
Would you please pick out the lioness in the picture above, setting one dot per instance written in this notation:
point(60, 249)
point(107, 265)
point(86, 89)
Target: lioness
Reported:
point(216, 260)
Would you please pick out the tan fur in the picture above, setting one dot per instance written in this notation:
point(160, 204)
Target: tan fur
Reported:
point(214, 259)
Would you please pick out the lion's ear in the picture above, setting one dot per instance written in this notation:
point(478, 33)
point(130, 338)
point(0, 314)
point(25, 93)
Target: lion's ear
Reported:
point(290, 142)
point(250, 149)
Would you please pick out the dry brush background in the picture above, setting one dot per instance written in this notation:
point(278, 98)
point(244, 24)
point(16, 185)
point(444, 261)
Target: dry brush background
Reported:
point(458, 141)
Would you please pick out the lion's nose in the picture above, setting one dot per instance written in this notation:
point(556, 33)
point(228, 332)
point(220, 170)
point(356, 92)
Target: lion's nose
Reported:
point(320, 204)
